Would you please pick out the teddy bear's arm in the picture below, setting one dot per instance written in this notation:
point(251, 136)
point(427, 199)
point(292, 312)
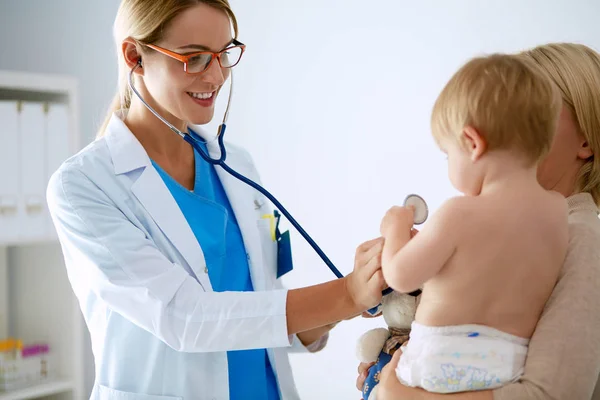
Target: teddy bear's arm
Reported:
point(370, 344)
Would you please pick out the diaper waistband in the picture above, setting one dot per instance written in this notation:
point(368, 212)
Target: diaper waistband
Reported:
point(472, 330)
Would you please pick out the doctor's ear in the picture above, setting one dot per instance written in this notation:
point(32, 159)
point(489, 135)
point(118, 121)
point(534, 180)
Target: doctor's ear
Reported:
point(585, 151)
point(132, 55)
point(475, 143)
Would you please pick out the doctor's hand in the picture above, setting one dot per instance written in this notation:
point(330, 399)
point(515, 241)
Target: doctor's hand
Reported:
point(365, 283)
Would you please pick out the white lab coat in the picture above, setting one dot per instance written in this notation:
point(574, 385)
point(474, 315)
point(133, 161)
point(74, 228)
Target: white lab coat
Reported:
point(158, 330)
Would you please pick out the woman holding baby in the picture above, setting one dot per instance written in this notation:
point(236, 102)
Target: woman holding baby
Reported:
point(561, 336)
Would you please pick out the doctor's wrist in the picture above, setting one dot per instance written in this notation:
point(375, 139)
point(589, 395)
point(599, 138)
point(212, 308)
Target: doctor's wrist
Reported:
point(351, 300)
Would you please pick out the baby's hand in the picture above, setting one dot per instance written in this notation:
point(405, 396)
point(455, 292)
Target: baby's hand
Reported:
point(397, 218)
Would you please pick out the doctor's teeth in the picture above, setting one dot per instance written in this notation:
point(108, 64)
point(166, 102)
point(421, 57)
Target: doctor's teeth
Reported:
point(202, 96)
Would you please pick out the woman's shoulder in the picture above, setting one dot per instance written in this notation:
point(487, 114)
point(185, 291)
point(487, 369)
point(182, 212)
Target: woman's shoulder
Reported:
point(86, 166)
point(584, 227)
point(584, 242)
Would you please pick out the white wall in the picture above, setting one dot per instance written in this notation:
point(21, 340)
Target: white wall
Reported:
point(71, 37)
point(333, 100)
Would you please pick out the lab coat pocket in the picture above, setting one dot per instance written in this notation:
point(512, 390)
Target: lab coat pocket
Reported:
point(269, 246)
point(106, 393)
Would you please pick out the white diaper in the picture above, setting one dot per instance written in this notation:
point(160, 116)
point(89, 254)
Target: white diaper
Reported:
point(461, 358)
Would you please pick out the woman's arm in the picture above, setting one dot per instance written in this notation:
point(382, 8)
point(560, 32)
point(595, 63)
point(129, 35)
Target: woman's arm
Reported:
point(112, 260)
point(391, 389)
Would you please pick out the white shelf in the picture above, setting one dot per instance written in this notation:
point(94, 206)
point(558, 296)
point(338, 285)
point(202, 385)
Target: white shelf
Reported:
point(37, 304)
point(43, 389)
point(46, 83)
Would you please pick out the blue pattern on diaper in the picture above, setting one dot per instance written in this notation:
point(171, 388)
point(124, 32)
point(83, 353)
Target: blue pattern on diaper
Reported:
point(457, 377)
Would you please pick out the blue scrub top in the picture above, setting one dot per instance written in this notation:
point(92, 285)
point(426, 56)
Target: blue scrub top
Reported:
point(211, 218)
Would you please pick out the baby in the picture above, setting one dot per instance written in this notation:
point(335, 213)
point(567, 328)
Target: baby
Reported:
point(488, 260)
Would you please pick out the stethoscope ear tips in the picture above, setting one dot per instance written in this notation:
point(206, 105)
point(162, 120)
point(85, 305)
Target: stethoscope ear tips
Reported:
point(420, 206)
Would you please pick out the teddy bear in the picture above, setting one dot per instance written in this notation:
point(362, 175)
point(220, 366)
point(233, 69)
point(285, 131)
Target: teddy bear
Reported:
point(399, 309)
point(379, 344)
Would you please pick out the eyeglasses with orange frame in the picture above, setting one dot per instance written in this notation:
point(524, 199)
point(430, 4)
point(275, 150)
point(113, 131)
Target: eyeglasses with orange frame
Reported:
point(198, 62)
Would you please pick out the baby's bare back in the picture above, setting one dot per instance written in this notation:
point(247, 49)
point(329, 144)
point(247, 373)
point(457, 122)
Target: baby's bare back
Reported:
point(509, 251)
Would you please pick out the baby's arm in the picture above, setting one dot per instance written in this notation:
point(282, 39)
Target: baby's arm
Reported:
point(406, 263)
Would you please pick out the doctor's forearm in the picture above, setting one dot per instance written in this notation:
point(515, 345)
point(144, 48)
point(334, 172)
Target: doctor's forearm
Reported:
point(311, 336)
point(320, 305)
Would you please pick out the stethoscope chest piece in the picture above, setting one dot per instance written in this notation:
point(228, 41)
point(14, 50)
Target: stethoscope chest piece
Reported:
point(420, 206)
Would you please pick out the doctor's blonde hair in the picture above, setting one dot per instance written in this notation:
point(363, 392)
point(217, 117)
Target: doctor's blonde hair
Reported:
point(145, 21)
point(509, 100)
point(575, 69)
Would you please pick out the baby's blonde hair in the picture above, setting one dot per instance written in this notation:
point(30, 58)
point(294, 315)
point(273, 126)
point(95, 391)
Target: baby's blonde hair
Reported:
point(509, 100)
point(575, 69)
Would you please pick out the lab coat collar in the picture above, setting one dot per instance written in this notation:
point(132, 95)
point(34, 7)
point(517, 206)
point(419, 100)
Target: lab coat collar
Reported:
point(128, 155)
point(234, 154)
point(126, 151)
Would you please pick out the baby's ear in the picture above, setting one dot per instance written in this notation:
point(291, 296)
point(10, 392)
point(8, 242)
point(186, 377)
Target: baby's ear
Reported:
point(475, 142)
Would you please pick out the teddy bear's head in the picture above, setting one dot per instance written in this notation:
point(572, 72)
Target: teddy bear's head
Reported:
point(399, 310)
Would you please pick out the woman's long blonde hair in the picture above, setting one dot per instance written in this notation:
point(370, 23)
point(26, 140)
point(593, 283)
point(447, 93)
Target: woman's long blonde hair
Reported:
point(575, 69)
point(145, 21)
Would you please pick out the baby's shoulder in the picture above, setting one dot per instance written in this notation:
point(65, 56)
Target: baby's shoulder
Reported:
point(459, 203)
point(456, 209)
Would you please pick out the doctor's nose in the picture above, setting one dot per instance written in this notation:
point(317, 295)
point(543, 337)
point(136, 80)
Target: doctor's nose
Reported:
point(215, 74)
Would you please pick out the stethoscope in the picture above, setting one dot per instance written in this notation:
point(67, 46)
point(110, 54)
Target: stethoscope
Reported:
point(221, 163)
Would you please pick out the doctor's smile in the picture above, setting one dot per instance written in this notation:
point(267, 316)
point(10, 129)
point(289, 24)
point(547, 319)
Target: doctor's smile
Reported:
point(204, 99)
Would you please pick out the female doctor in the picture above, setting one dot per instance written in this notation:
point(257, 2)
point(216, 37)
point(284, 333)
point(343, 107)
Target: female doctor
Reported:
point(171, 261)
